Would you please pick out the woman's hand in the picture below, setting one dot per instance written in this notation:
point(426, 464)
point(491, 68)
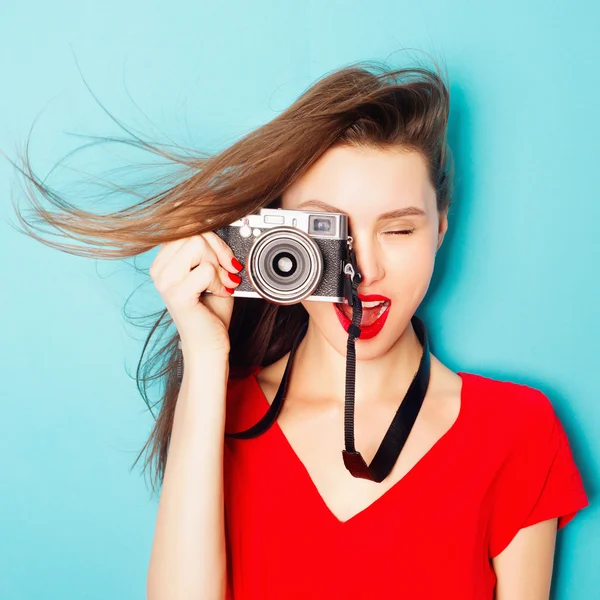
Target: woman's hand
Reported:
point(181, 271)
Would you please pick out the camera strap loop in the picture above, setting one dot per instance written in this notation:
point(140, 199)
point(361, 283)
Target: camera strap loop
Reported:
point(405, 417)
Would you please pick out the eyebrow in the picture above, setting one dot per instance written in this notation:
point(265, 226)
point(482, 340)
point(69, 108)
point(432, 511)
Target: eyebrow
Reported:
point(409, 211)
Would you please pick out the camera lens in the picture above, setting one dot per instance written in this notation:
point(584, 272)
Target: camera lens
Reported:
point(285, 265)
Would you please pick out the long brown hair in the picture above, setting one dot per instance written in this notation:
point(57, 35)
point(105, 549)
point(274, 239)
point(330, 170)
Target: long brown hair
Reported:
point(364, 104)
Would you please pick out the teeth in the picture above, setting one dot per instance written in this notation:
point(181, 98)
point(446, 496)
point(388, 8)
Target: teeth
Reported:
point(371, 304)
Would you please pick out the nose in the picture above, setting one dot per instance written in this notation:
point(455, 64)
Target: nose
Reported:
point(369, 261)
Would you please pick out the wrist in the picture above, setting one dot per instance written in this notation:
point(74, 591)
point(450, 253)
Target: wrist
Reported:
point(199, 354)
point(201, 360)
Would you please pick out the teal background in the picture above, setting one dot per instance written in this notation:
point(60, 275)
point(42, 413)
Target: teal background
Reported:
point(515, 293)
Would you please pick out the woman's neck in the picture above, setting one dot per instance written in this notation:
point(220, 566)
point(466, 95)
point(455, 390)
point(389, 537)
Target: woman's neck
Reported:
point(319, 370)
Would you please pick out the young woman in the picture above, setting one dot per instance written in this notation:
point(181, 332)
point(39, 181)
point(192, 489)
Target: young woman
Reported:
point(470, 506)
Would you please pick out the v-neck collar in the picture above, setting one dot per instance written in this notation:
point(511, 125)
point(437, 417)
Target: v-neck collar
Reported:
point(389, 493)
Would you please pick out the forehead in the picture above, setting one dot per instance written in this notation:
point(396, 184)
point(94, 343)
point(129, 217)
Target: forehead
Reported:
point(365, 181)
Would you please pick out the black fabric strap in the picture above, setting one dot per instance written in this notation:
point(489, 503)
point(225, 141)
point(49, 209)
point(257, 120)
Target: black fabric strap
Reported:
point(387, 454)
point(271, 415)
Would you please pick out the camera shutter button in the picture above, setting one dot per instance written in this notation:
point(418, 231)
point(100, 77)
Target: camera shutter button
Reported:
point(245, 231)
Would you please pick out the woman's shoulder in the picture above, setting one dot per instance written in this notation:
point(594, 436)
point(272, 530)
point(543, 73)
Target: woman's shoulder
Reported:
point(496, 390)
point(516, 409)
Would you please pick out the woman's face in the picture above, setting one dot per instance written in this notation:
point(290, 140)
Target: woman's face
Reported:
point(394, 222)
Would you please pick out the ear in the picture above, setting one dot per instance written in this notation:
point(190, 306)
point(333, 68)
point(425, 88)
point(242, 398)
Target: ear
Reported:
point(443, 227)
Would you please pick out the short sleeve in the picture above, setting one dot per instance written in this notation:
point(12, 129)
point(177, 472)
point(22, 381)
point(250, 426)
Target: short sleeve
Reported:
point(540, 481)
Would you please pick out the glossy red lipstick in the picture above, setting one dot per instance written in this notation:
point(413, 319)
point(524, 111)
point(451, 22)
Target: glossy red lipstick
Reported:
point(367, 331)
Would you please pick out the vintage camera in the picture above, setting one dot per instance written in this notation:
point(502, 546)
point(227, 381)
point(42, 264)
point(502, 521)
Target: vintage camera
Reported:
point(290, 255)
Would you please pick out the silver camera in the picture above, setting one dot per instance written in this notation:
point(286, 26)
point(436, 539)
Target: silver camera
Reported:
point(290, 255)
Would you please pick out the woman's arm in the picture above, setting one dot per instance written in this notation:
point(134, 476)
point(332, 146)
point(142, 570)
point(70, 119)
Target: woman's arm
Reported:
point(524, 568)
point(188, 552)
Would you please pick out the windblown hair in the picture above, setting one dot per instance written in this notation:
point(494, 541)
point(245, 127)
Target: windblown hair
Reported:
point(362, 105)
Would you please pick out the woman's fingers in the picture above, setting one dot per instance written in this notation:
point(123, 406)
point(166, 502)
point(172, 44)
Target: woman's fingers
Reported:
point(204, 277)
point(177, 259)
point(195, 251)
point(182, 271)
point(223, 252)
point(164, 255)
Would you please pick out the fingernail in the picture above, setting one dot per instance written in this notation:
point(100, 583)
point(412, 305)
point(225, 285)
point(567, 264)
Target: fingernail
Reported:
point(237, 264)
point(229, 290)
point(234, 278)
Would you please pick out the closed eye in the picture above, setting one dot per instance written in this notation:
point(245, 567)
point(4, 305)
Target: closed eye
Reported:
point(403, 232)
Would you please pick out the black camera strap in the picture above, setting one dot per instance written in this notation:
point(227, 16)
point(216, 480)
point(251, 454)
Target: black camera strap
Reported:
point(406, 415)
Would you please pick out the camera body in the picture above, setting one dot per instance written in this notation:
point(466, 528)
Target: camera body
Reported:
point(290, 255)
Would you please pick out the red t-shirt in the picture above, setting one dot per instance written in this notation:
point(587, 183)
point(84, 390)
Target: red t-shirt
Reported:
point(505, 464)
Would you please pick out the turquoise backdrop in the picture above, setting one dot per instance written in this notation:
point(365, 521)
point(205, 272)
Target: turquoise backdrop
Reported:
point(516, 289)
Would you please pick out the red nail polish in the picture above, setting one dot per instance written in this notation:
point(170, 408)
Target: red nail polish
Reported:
point(237, 264)
point(234, 278)
point(229, 290)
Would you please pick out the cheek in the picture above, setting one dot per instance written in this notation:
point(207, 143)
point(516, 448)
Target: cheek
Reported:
point(414, 260)
point(409, 270)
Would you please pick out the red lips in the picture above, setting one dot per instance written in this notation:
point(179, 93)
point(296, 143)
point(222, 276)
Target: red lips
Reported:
point(367, 331)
